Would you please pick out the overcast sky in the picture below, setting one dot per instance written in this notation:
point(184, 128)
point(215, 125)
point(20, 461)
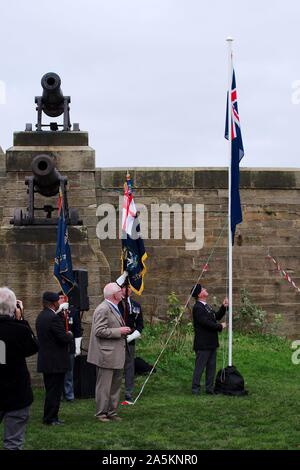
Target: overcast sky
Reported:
point(148, 78)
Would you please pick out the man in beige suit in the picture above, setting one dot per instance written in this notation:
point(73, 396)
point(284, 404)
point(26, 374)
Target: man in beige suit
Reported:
point(107, 352)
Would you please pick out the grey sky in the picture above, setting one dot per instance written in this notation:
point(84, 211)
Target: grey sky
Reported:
point(148, 78)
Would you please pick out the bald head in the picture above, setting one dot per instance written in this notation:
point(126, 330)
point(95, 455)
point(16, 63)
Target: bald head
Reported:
point(113, 292)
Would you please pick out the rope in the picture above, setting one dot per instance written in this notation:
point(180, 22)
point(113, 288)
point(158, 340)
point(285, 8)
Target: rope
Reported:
point(204, 269)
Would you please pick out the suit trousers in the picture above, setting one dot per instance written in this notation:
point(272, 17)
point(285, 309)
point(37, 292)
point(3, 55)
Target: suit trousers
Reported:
point(14, 427)
point(205, 359)
point(54, 385)
point(108, 386)
point(129, 371)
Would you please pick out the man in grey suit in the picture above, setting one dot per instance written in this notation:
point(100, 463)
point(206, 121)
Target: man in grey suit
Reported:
point(107, 352)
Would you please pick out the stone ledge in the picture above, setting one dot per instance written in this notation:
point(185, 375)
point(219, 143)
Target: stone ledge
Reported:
point(57, 138)
point(198, 178)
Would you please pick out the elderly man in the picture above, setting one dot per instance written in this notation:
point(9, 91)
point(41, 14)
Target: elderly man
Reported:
point(53, 357)
point(206, 342)
point(16, 343)
point(107, 352)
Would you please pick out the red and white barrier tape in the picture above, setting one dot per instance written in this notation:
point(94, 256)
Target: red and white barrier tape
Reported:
point(283, 273)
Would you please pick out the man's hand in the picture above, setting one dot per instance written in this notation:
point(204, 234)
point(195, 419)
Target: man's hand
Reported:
point(125, 330)
point(225, 302)
point(19, 310)
point(224, 325)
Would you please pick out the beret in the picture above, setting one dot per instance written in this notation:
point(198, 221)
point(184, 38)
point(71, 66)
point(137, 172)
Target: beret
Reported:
point(196, 289)
point(50, 296)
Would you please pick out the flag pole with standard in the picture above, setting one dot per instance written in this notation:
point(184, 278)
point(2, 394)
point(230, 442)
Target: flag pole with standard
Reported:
point(229, 381)
point(133, 250)
point(63, 270)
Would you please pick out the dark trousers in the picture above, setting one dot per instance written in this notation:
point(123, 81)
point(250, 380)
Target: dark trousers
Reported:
point(205, 359)
point(14, 428)
point(129, 371)
point(54, 385)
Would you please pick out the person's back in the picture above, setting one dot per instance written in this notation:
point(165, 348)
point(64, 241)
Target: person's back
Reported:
point(53, 357)
point(15, 386)
point(53, 342)
point(17, 342)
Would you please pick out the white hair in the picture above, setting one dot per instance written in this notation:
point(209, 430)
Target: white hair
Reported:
point(110, 289)
point(8, 301)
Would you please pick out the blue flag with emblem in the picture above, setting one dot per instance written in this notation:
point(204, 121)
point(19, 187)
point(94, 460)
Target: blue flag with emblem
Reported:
point(237, 153)
point(63, 270)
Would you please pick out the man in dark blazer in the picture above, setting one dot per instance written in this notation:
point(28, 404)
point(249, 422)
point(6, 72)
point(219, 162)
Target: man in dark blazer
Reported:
point(206, 342)
point(53, 356)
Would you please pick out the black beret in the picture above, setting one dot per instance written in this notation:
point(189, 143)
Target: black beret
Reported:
point(196, 289)
point(50, 297)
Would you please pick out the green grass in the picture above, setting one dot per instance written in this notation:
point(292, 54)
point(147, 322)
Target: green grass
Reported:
point(168, 417)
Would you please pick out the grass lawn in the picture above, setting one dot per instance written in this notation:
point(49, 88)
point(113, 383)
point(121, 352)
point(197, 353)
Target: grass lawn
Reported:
point(168, 417)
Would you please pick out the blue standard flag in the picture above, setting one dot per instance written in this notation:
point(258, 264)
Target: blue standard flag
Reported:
point(63, 270)
point(133, 249)
point(237, 153)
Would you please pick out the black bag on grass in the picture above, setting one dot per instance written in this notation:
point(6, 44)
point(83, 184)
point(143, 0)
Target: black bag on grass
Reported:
point(142, 367)
point(229, 381)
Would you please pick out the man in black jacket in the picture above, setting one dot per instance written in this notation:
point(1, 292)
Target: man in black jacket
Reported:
point(53, 357)
point(132, 315)
point(206, 342)
point(16, 343)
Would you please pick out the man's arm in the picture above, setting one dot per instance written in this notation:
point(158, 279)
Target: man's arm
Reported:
point(102, 329)
point(27, 341)
point(59, 332)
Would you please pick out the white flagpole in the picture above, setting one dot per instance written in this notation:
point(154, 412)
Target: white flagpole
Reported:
point(230, 72)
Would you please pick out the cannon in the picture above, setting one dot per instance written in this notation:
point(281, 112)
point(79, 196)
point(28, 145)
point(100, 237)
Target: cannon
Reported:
point(53, 103)
point(47, 181)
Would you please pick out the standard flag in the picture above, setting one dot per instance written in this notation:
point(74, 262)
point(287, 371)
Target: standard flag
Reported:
point(133, 249)
point(237, 153)
point(63, 270)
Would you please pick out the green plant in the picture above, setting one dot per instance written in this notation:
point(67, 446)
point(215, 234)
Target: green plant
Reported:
point(250, 318)
point(176, 322)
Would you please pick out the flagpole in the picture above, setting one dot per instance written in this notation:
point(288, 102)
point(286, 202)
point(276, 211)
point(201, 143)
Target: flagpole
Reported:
point(230, 72)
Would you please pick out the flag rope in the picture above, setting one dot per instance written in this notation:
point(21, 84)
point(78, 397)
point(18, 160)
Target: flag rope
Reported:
point(177, 320)
point(283, 273)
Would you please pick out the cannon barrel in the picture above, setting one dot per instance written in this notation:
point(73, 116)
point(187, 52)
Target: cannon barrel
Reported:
point(52, 97)
point(46, 177)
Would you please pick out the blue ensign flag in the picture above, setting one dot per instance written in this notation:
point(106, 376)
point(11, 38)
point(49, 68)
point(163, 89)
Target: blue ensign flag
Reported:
point(237, 153)
point(63, 270)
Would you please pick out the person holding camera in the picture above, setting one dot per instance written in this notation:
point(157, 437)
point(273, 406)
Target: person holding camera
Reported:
point(206, 342)
point(17, 342)
point(53, 357)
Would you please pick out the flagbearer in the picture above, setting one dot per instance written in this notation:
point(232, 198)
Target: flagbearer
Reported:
point(206, 342)
point(72, 322)
point(132, 314)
